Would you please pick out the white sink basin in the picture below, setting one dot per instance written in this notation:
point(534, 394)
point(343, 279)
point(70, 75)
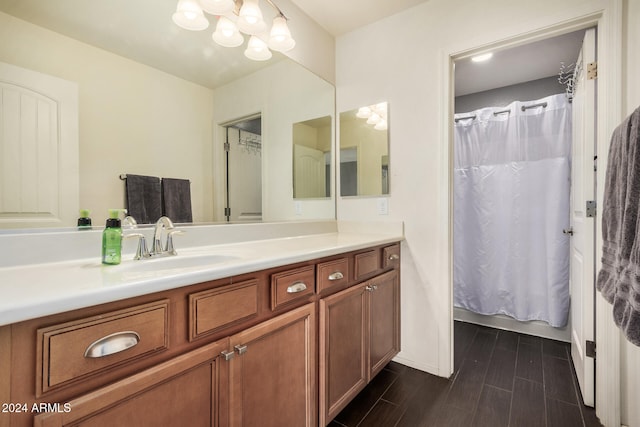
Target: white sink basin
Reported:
point(177, 262)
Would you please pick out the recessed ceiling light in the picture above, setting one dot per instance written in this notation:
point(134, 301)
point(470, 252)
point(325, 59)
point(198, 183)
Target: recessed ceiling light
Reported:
point(481, 58)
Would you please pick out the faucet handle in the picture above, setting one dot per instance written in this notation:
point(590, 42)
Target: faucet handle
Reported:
point(142, 251)
point(170, 247)
point(130, 221)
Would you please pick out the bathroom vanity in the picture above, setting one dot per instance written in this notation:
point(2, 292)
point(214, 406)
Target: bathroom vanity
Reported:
point(289, 344)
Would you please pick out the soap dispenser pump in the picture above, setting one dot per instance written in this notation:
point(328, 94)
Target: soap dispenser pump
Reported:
point(84, 221)
point(112, 239)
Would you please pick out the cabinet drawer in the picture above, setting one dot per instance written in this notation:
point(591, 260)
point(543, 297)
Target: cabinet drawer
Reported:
point(332, 274)
point(391, 256)
point(83, 347)
point(292, 285)
point(367, 263)
point(215, 309)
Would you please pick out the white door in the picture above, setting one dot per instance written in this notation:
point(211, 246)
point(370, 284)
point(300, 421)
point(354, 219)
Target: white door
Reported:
point(583, 226)
point(39, 170)
point(309, 172)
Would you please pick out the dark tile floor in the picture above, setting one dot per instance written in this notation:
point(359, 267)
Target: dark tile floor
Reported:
point(501, 378)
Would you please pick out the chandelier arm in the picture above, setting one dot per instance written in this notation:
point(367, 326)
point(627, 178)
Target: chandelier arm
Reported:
point(277, 9)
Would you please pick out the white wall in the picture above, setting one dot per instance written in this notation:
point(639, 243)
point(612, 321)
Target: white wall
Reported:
point(133, 118)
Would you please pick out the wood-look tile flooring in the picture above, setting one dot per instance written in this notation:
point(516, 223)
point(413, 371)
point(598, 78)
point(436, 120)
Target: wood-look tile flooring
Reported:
point(501, 378)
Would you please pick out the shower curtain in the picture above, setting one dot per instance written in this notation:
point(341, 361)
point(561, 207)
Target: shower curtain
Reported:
point(511, 203)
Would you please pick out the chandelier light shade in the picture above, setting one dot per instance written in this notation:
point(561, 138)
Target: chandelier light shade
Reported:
point(376, 115)
point(257, 49)
point(280, 37)
point(227, 33)
point(217, 7)
point(189, 16)
point(250, 19)
point(236, 17)
point(364, 112)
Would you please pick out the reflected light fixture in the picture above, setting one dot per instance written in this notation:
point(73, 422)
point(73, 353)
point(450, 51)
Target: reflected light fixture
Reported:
point(375, 115)
point(236, 17)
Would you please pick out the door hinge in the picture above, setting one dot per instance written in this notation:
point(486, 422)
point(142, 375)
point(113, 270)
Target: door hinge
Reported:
point(227, 146)
point(592, 70)
point(591, 208)
point(591, 349)
point(227, 211)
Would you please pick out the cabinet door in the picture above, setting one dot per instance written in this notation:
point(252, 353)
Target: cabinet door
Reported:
point(182, 391)
point(384, 314)
point(343, 349)
point(273, 376)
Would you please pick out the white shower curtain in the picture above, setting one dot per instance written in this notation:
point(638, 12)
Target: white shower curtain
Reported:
point(511, 203)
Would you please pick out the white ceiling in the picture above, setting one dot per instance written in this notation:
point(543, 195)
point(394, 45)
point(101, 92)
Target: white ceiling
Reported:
point(142, 30)
point(342, 16)
point(517, 65)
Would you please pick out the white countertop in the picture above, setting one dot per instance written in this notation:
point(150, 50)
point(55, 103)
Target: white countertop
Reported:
point(36, 290)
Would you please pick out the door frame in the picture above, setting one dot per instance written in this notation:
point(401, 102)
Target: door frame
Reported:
point(607, 18)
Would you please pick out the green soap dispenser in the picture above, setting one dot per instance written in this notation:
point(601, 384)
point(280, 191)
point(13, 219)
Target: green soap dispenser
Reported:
point(84, 221)
point(112, 239)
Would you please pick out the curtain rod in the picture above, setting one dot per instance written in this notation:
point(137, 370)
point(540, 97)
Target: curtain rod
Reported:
point(541, 104)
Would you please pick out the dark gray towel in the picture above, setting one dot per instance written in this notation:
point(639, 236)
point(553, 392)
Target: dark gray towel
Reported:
point(144, 200)
point(176, 199)
point(619, 278)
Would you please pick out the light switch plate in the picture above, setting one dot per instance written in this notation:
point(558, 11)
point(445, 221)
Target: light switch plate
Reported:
point(383, 206)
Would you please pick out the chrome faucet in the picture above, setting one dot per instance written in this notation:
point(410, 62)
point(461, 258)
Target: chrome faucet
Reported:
point(164, 223)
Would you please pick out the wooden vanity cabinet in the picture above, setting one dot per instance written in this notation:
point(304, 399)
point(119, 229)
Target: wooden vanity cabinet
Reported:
point(273, 374)
point(187, 390)
point(257, 349)
point(359, 335)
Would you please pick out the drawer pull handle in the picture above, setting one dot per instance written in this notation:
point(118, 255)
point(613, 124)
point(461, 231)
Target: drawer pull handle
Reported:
point(111, 344)
point(241, 349)
point(296, 288)
point(394, 257)
point(336, 276)
point(227, 355)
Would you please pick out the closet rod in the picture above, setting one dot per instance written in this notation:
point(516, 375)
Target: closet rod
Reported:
point(541, 104)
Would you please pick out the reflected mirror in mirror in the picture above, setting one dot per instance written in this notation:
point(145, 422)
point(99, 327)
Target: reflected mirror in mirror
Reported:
point(148, 93)
point(364, 151)
point(312, 158)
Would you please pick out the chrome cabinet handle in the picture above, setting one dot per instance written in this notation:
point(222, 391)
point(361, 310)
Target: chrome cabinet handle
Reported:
point(112, 344)
point(227, 355)
point(371, 288)
point(336, 276)
point(241, 349)
point(296, 288)
point(394, 257)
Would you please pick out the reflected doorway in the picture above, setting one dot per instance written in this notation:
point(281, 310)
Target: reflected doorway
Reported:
point(243, 160)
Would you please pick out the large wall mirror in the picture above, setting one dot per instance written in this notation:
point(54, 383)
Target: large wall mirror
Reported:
point(364, 151)
point(154, 99)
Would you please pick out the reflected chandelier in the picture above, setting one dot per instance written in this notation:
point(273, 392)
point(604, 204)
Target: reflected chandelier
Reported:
point(376, 115)
point(236, 17)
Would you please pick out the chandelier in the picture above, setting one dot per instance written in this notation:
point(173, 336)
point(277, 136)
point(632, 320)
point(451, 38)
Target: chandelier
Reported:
point(376, 115)
point(235, 17)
